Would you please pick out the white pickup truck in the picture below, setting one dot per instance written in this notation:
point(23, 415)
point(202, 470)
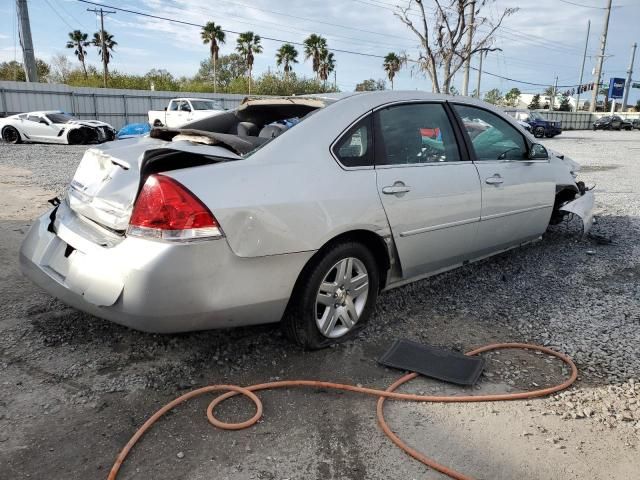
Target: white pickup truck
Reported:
point(184, 110)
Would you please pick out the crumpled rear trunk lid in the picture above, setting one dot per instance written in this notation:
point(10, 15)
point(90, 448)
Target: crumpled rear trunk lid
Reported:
point(106, 183)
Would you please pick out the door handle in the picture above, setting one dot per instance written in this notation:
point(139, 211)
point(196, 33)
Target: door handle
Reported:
point(396, 188)
point(495, 180)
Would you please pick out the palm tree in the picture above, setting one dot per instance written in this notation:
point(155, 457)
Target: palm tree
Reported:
point(248, 45)
point(392, 64)
point(326, 65)
point(313, 47)
point(213, 34)
point(286, 55)
point(78, 40)
point(107, 51)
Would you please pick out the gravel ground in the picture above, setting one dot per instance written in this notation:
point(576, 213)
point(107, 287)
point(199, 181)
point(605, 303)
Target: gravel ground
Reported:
point(76, 387)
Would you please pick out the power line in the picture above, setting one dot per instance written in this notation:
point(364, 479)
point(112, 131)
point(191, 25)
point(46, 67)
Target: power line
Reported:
point(373, 43)
point(582, 5)
point(58, 14)
point(315, 20)
point(64, 10)
point(279, 40)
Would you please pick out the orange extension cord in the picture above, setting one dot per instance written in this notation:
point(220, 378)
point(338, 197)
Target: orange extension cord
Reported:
point(232, 390)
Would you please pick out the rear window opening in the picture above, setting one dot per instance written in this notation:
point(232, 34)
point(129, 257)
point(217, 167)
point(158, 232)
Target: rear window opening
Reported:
point(254, 123)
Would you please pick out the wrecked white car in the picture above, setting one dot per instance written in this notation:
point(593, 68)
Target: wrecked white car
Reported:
point(298, 209)
point(54, 127)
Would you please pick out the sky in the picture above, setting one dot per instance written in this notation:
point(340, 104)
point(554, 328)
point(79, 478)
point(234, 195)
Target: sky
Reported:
point(542, 40)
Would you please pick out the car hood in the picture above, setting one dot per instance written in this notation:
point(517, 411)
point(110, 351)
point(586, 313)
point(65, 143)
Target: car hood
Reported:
point(85, 123)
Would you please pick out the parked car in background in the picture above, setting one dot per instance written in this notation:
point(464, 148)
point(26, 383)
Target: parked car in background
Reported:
point(540, 127)
point(283, 210)
point(525, 125)
point(635, 123)
point(54, 127)
point(612, 122)
point(184, 110)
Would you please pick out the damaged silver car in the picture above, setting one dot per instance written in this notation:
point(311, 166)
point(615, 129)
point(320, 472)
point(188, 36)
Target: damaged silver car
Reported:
point(298, 209)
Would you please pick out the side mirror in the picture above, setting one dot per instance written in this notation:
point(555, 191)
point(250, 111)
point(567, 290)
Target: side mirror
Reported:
point(165, 109)
point(538, 152)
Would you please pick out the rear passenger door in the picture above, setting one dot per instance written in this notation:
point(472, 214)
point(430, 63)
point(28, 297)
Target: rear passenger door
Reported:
point(428, 186)
point(517, 192)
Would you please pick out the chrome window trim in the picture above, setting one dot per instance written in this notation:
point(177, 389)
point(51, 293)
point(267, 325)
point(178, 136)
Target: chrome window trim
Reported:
point(424, 164)
point(341, 136)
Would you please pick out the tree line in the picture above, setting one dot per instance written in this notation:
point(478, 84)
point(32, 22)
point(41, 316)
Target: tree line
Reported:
point(230, 73)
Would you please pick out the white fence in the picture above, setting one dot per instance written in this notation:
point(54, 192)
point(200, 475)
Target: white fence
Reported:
point(114, 106)
point(119, 107)
point(581, 120)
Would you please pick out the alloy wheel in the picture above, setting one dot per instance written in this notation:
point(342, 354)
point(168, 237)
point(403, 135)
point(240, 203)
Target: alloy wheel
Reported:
point(11, 135)
point(342, 297)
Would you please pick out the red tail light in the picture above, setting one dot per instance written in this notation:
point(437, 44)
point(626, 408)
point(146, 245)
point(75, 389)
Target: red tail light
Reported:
point(167, 210)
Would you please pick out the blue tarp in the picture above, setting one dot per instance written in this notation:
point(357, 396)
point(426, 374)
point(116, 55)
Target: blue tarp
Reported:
point(134, 130)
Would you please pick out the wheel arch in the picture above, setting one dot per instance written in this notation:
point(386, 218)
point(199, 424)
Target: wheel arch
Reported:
point(4, 127)
point(382, 248)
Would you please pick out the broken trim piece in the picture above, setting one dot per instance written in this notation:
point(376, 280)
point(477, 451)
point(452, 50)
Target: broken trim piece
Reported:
point(582, 207)
point(238, 145)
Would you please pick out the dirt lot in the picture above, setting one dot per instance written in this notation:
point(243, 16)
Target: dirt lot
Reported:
point(74, 388)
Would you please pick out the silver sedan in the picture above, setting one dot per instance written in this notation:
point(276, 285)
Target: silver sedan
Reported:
point(299, 210)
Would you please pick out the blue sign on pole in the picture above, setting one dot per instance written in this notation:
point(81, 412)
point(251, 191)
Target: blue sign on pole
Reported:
point(616, 88)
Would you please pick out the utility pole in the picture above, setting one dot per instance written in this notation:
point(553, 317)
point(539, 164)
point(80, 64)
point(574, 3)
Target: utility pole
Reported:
point(584, 57)
point(29, 59)
point(482, 54)
point(467, 62)
point(627, 85)
point(104, 47)
point(553, 97)
point(598, 73)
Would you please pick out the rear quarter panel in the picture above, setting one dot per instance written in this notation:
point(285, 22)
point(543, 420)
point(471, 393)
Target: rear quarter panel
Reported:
point(291, 195)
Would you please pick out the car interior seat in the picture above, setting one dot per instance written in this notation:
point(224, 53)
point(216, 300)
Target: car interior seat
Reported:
point(272, 131)
point(247, 129)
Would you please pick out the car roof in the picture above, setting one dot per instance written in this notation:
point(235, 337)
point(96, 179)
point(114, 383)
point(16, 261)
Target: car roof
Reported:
point(40, 112)
point(195, 98)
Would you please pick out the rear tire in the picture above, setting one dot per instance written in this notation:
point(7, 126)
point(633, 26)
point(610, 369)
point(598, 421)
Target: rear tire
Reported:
point(157, 123)
point(334, 296)
point(11, 135)
point(538, 132)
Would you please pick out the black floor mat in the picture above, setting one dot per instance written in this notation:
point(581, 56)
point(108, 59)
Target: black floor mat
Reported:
point(433, 362)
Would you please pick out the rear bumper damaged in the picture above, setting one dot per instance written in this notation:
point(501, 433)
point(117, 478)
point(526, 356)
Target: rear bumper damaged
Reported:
point(582, 207)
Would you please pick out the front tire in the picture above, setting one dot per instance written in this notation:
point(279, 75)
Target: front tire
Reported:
point(11, 135)
point(158, 123)
point(538, 132)
point(334, 296)
point(75, 137)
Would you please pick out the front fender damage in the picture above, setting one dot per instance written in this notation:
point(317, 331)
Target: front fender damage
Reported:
point(582, 207)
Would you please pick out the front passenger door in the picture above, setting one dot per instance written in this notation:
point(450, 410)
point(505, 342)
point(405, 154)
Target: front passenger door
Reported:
point(429, 189)
point(517, 193)
point(37, 128)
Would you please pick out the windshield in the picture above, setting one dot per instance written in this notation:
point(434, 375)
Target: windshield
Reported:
point(205, 105)
point(60, 117)
point(535, 116)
